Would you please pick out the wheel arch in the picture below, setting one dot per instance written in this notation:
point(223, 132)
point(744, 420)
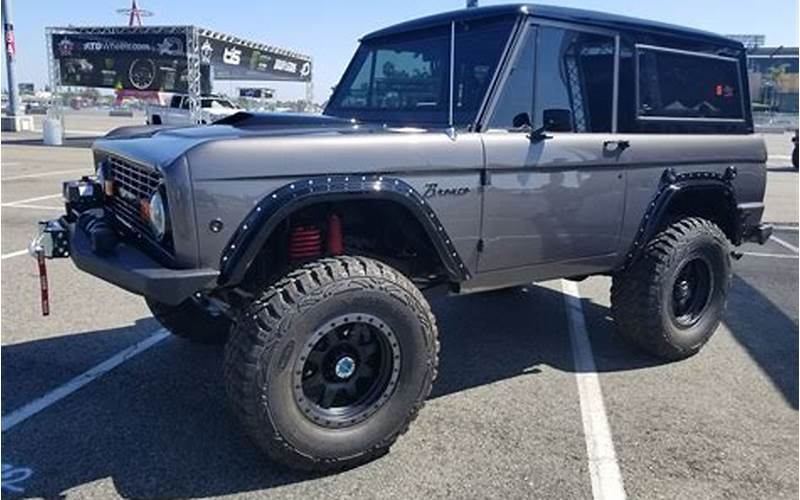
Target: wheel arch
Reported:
point(254, 232)
point(709, 195)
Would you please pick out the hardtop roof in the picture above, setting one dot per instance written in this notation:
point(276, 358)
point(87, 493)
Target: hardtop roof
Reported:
point(555, 13)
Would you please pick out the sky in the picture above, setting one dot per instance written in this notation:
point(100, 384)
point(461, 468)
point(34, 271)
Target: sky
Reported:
point(329, 30)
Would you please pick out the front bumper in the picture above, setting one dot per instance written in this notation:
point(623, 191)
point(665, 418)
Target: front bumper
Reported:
point(123, 265)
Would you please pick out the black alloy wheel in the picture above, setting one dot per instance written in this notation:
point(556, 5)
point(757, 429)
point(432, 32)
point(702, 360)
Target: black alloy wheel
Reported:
point(691, 292)
point(347, 370)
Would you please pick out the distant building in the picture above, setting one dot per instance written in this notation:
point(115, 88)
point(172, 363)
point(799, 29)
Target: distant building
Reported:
point(750, 41)
point(773, 77)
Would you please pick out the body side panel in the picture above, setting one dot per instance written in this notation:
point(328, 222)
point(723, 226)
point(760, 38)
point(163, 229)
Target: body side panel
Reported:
point(558, 199)
point(231, 177)
point(649, 155)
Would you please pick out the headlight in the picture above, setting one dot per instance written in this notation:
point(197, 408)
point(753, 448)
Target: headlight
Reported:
point(158, 215)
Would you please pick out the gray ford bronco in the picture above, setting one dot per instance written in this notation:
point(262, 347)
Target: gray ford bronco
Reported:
point(468, 151)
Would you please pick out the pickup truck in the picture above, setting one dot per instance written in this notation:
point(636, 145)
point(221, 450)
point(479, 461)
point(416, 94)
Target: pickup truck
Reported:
point(177, 112)
point(468, 151)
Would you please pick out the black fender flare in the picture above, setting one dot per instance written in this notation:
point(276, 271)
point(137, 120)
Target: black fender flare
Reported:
point(670, 186)
point(253, 232)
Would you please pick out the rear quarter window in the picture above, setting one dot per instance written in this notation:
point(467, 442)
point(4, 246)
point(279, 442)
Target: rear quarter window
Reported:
point(681, 85)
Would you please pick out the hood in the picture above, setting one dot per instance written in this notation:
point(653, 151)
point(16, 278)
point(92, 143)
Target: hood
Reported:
point(160, 145)
point(246, 119)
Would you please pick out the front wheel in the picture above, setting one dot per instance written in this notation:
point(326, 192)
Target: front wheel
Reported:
point(327, 367)
point(671, 299)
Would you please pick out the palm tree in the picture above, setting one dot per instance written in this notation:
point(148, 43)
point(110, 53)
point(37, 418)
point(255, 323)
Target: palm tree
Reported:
point(773, 77)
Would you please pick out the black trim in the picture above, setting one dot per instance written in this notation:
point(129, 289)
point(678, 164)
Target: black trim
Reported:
point(255, 229)
point(565, 14)
point(131, 269)
point(672, 184)
point(758, 233)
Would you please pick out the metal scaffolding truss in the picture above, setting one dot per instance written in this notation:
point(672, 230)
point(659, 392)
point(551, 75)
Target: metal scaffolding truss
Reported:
point(223, 37)
point(192, 36)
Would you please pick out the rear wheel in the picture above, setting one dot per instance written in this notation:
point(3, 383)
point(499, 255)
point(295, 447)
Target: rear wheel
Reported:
point(331, 364)
point(193, 320)
point(671, 299)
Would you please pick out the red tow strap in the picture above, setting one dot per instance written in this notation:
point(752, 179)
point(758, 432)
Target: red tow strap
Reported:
point(43, 283)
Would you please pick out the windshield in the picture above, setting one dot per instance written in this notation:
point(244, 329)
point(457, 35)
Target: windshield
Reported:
point(405, 79)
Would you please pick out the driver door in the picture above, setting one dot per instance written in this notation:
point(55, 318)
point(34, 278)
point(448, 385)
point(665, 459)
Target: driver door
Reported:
point(555, 187)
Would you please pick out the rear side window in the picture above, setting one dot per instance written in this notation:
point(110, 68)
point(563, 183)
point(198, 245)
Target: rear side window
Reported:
point(679, 85)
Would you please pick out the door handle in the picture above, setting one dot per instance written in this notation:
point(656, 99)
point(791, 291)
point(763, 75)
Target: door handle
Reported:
point(621, 145)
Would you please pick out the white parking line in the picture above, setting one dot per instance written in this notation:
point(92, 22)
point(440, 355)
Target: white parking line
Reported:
point(14, 254)
point(771, 255)
point(21, 414)
point(28, 200)
point(34, 207)
point(43, 174)
point(784, 244)
point(603, 468)
point(82, 132)
point(786, 228)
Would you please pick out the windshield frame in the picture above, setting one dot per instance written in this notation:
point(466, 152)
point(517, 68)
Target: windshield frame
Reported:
point(439, 118)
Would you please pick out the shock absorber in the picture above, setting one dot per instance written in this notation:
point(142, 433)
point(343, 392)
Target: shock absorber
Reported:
point(335, 242)
point(305, 242)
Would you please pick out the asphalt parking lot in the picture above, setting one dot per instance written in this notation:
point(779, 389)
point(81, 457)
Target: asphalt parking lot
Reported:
point(504, 420)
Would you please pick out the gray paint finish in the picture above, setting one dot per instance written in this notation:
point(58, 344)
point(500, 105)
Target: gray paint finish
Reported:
point(554, 200)
point(568, 205)
point(254, 168)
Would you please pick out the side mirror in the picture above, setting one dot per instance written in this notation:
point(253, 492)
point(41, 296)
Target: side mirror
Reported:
point(557, 120)
point(522, 120)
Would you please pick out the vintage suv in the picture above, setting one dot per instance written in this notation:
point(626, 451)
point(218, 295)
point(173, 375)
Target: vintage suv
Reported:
point(468, 151)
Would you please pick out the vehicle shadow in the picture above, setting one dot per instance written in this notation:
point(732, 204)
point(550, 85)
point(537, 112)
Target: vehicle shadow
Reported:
point(159, 425)
point(768, 335)
point(498, 335)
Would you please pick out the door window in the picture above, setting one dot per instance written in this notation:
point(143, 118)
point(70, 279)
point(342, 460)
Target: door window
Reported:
point(562, 79)
point(574, 81)
point(516, 96)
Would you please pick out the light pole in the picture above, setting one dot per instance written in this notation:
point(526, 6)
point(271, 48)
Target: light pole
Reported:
point(11, 56)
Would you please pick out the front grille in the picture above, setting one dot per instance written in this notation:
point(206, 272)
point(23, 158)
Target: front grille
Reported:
point(132, 185)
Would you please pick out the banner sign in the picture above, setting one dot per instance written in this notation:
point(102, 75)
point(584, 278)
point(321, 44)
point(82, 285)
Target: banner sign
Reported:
point(124, 61)
point(235, 59)
point(256, 93)
point(155, 58)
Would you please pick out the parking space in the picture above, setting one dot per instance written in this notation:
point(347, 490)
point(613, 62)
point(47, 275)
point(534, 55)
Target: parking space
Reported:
point(504, 420)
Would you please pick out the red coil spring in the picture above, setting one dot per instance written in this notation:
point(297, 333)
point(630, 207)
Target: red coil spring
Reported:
point(305, 242)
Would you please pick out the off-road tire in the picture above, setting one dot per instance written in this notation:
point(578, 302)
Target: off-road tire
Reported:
point(189, 320)
point(641, 295)
point(270, 334)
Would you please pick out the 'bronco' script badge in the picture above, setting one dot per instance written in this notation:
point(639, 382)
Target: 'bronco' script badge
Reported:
point(432, 189)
